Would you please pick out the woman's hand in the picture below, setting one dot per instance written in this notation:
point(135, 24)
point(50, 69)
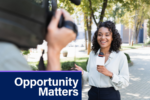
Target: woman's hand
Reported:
point(79, 68)
point(104, 71)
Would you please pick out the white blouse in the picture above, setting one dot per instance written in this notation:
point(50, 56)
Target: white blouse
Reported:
point(116, 63)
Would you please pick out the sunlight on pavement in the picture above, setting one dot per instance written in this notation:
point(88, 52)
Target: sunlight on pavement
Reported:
point(143, 57)
point(137, 95)
point(135, 79)
point(141, 69)
point(85, 90)
point(147, 97)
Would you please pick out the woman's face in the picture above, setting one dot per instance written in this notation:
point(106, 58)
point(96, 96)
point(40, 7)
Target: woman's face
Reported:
point(104, 37)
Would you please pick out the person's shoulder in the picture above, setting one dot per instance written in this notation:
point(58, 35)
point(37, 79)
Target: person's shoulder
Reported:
point(11, 58)
point(6, 46)
point(9, 51)
point(92, 52)
point(121, 54)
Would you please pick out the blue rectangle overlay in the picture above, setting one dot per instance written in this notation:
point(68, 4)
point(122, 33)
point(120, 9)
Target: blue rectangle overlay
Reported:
point(36, 85)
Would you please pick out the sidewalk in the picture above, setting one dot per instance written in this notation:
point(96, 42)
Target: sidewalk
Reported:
point(139, 88)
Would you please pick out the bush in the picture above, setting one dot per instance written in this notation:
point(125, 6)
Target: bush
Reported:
point(64, 66)
point(34, 67)
point(87, 61)
point(147, 41)
point(128, 57)
point(65, 51)
point(67, 65)
point(148, 27)
point(25, 52)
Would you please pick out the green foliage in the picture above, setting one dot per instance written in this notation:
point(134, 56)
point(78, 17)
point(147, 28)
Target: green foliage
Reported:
point(139, 8)
point(67, 65)
point(128, 57)
point(118, 12)
point(135, 46)
point(87, 61)
point(34, 67)
point(148, 27)
point(25, 52)
point(147, 41)
point(67, 5)
point(65, 51)
point(132, 15)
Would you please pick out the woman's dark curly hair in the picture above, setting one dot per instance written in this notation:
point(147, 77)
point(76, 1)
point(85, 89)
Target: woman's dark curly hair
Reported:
point(116, 43)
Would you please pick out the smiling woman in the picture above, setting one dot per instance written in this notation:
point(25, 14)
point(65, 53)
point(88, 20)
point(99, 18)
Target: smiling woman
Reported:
point(104, 37)
point(108, 33)
point(107, 79)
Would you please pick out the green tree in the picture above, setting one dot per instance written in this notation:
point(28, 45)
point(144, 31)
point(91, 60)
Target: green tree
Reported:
point(67, 5)
point(100, 9)
point(85, 31)
point(90, 8)
point(133, 15)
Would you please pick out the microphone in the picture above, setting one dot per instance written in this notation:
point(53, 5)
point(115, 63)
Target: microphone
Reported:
point(76, 2)
point(101, 54)
point(100, 59)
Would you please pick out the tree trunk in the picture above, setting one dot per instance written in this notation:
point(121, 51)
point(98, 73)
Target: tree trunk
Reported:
point(92, 12)
point(148, 26)
point(85, 39)
point(89, 33)
point(137, 32)
point(103, 10)
point(85, 30)
point(135, 21)
point(138, 27)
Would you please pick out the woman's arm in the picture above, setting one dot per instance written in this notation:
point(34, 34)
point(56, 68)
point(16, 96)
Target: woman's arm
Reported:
point(122, 79)
point(86, 73)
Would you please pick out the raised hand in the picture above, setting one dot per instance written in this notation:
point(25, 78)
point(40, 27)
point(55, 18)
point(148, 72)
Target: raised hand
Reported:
point(57, 39)
point(79, 68)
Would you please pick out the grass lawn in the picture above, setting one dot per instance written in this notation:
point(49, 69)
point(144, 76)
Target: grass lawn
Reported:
point(135, 46)
point(79, 61)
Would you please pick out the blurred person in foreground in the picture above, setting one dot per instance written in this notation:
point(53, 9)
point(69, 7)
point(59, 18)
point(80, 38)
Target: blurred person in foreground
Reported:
point(105, 81)
point(11, 58)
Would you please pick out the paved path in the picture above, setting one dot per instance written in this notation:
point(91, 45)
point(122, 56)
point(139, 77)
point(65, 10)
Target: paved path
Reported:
point(139, 88)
